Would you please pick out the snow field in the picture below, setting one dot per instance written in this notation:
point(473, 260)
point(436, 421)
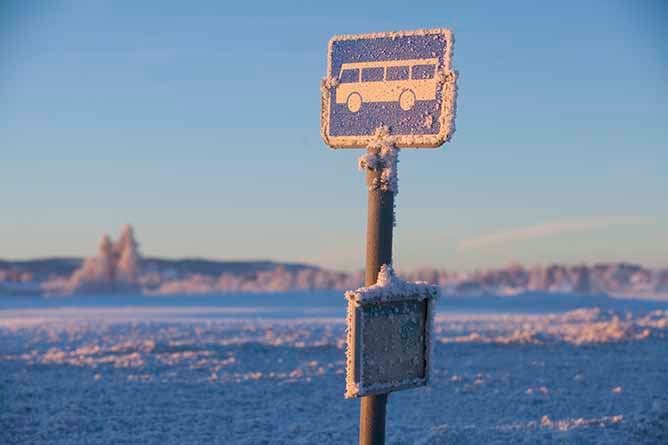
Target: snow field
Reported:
point(586, 376)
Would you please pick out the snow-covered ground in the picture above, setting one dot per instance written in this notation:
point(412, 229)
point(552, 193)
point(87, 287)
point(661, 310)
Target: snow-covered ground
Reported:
point(270, 369)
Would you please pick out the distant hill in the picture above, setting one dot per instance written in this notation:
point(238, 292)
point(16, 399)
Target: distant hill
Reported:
point(41, 268)
point(217, 267)
point(119, 268)
point(63, 275)
point(26, 277)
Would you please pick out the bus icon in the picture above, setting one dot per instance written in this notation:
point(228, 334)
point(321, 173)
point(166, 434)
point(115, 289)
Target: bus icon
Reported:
point(402, 81)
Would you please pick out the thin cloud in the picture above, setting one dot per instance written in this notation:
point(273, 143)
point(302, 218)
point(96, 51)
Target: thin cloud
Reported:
point(543, 230)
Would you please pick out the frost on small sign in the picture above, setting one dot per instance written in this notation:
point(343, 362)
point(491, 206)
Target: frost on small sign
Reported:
point(402, 81)
point(389, 335)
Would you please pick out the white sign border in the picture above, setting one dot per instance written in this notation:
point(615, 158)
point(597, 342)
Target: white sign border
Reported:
point(398, 290)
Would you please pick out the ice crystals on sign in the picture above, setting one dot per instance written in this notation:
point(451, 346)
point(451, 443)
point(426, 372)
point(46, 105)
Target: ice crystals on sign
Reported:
point(389, 335)
point(400, 80)
point(383, 155)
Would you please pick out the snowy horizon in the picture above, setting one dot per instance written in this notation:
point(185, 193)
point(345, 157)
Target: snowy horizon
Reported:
point(120, 268)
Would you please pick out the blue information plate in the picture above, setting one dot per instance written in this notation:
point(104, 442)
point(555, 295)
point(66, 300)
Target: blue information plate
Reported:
point(400, 80)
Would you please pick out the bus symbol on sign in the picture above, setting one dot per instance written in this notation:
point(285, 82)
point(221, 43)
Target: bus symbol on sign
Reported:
point(402, 81)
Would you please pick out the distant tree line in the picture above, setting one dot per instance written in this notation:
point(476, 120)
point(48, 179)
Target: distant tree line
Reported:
point(119, 268)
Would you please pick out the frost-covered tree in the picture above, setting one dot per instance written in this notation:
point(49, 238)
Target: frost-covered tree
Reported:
point(128, 257)
point(105, 260)
point(116, 267)
point(96, 274)
point(581, 278)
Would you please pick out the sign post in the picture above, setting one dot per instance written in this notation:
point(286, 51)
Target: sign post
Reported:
point(383, 92)
point(380, 222)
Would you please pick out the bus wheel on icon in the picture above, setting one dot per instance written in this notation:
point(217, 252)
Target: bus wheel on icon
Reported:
point(354, 102)
point(407, 100)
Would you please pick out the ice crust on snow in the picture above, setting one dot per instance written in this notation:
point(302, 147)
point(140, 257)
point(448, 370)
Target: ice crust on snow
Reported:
point(578, 327)
point(66, 375)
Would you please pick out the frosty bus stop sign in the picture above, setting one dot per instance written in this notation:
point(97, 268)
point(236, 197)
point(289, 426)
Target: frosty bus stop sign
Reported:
point(383, 92)
point(401, 80)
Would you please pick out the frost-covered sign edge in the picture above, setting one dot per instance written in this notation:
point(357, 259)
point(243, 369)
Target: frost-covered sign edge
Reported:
point(412, 135)
point(388, 289)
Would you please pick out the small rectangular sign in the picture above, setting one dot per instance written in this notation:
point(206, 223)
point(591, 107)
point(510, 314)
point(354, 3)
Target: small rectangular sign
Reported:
point(397, 350)
point(401, 81)
point(389, 337)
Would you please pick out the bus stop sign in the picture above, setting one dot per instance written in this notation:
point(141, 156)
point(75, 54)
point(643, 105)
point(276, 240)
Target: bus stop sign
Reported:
point(399, 80)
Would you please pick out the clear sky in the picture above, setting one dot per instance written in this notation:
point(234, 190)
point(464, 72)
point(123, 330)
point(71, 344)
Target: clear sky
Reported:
point(198, 122)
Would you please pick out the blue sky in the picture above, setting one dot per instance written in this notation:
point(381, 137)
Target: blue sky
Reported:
point(198, 122)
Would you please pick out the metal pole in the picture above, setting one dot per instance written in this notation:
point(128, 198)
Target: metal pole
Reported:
point(380, 222)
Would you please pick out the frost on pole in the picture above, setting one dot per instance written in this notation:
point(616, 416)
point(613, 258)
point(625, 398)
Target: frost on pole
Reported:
point(401, 81)
point(389, 335)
